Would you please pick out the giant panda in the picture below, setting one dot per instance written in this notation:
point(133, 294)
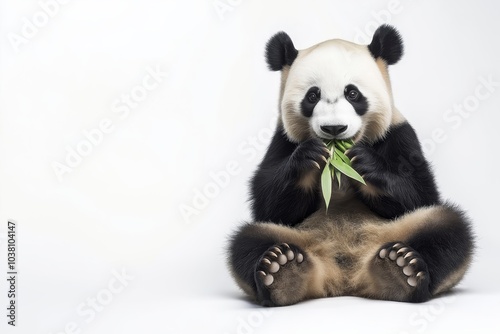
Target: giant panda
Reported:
point(391, 239)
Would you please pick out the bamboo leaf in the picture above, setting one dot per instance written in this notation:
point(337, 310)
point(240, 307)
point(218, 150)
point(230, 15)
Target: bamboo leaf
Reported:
point(347, 170)
point(337, 175)
point(340, 146)
point(348, 143)
point(343, 157)
point(326, 184)
point(332, 149)
point(338, 164)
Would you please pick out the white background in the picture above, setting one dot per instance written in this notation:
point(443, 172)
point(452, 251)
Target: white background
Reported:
point(120, 207)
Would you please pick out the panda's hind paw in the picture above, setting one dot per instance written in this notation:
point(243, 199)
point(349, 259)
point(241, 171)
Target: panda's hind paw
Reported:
point(407, 261)
point(278, 274)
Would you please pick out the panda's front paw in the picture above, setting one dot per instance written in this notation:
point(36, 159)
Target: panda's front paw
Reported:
point(310, 155)
point(369, 164)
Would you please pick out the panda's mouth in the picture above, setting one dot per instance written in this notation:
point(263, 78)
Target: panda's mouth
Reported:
point(327, 137)
point(343, 136)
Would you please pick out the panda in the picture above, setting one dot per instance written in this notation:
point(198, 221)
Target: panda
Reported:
point(391, 239)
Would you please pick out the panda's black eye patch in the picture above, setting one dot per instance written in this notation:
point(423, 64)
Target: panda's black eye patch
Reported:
point(310, 100)
point(356, 99)
point(313, 95)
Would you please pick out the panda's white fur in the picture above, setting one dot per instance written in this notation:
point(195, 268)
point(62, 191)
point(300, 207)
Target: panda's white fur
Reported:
point(341, 60)
point(391, 239)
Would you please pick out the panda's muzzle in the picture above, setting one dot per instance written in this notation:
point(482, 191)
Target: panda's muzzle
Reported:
point(333, 130)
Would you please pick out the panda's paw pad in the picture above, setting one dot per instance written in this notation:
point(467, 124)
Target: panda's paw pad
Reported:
point(407, 261)
point(276, 259)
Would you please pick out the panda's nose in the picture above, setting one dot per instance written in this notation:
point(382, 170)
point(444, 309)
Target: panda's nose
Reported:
point(333, 130)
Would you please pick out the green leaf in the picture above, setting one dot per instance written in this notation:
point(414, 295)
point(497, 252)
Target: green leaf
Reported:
point(347, 170)
point(343, 157)
point(348, 143)
point(337, 175)
point(340, 145)
point(338, 164)
point(332, 149)
point(326, 184)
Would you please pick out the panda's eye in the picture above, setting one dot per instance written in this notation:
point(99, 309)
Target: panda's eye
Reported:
point(312, 97)
point(353, 95)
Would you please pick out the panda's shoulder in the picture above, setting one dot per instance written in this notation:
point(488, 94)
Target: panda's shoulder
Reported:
point(401, 131)
point(401, 136)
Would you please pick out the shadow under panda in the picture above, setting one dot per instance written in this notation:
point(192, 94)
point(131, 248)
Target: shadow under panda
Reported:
point(393, 239)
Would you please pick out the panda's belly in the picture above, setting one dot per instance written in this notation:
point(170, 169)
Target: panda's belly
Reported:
point(345, 211)
point(340, 240)
point(343, 228)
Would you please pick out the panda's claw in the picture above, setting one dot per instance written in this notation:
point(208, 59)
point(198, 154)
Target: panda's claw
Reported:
point(403, 250)
point(277, 250)
point(272, 254)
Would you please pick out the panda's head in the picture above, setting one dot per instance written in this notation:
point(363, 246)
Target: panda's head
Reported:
point(336, 89)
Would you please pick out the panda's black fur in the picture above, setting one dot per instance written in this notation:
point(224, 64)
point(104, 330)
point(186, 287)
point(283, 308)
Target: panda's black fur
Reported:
point(387, 44)
point(280, 51)
point(395, 240)
point(406, 188)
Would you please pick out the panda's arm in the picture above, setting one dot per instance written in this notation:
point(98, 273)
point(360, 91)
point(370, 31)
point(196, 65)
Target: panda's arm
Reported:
point(276, 193)
point(398, 176)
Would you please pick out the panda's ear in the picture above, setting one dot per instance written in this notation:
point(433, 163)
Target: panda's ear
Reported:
point(280, 51)
point(386, 44)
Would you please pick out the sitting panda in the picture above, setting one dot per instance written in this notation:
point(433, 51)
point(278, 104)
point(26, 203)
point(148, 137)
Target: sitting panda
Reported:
point(391, 239)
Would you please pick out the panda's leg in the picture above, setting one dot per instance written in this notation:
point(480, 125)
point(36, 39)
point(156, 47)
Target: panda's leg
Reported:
point(421, 254)
point(275, 264)
point(446, 243)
